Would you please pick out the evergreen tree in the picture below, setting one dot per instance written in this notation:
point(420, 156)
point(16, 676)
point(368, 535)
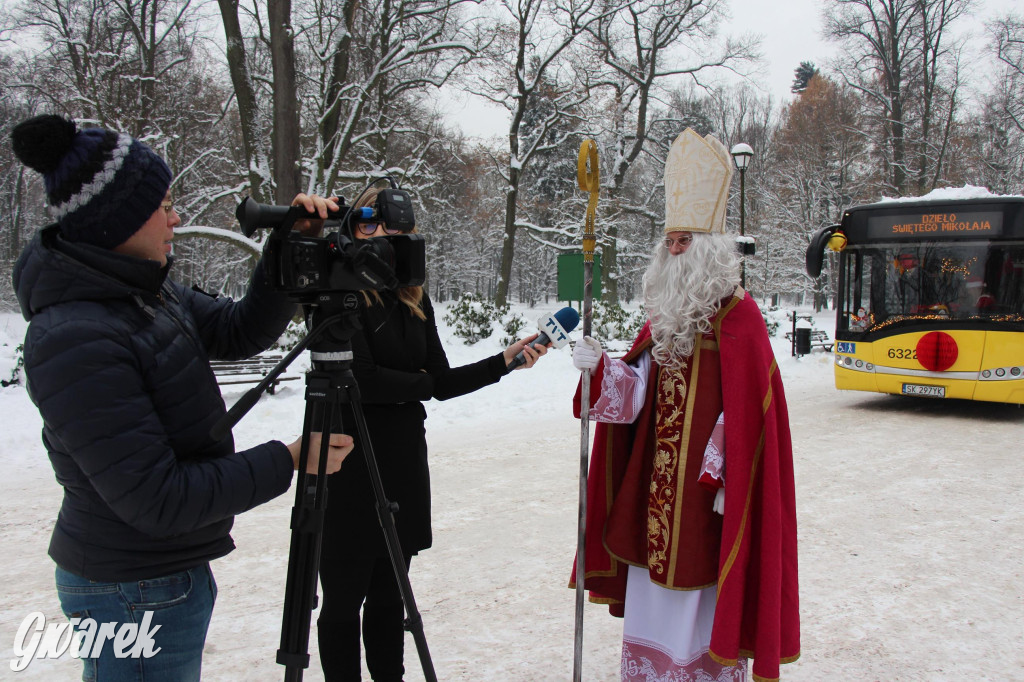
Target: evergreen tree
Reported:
point(802, 75)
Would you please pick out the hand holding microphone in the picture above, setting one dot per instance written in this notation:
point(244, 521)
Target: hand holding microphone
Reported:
point(554, 331)
point(524, 353)
point(586, 354)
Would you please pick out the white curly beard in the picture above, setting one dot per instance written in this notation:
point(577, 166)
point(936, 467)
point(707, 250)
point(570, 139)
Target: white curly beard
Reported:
point(682, 294)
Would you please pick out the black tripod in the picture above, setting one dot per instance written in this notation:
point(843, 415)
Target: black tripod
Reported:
point(329, 385)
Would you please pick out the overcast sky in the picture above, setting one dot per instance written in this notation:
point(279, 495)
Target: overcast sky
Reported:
point(790, 33)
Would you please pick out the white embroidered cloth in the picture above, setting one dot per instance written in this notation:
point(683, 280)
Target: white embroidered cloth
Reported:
point(622, 390)
point(666, 634)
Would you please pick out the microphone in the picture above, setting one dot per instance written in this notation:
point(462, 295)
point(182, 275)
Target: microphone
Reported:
point(554, 329)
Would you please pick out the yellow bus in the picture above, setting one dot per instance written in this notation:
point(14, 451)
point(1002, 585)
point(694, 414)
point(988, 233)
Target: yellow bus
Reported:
point(930, 298)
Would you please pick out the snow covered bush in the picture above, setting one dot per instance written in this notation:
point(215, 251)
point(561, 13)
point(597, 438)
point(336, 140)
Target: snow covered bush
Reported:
point(773, 318)
point(474, 318)
point(511, 324)
point(291, 336)
point(12, 364)
point(612, 322)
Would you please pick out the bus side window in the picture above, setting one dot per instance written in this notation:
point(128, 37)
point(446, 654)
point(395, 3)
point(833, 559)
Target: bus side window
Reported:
point(1011, 285)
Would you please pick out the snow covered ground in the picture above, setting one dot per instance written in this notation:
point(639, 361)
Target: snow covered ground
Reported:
point(910, 516)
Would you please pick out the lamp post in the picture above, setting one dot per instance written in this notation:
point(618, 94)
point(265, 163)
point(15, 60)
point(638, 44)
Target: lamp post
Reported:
point(741, 155)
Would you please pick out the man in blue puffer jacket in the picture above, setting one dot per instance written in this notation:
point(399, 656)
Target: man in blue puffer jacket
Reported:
point(117, 361)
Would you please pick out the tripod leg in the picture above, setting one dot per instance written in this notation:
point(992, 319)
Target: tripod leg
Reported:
point(307, 525)
point(413, 622)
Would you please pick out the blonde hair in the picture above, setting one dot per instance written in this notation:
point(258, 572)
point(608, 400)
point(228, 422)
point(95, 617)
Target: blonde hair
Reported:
point(412, 297)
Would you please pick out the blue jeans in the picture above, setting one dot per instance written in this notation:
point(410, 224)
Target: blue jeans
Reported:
point(180, 603)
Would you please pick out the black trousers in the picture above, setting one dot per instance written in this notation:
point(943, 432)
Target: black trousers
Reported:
point(349, 582)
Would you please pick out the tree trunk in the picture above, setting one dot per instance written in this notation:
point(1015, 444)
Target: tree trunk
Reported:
point(244, 95)
point(17, 216)
point(330, 126)
point(508, 245)
point(147, 67)
point(899, 157)
point(286, 101)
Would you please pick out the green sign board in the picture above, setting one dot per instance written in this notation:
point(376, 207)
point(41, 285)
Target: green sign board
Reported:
point(570, 277)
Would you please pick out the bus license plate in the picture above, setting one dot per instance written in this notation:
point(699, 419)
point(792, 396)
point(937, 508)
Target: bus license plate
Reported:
point(928, 391)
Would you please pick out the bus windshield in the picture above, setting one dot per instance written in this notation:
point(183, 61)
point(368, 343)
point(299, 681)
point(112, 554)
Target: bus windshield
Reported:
point(890, 284)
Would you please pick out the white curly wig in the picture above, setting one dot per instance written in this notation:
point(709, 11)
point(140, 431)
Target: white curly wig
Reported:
point(682, 293)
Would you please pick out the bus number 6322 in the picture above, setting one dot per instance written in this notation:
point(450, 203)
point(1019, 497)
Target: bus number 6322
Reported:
point(938, 272)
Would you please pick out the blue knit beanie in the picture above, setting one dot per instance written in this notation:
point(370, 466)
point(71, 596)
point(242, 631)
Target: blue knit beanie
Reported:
point(101, 185)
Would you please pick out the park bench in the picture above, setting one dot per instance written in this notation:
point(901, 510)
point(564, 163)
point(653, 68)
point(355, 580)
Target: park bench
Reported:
point(819, 337)
point(250, 371)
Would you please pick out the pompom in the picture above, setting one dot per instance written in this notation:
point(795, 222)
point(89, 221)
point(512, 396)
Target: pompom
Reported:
point(41, 142)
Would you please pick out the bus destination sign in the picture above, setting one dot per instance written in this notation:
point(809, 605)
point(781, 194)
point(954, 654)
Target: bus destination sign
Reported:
point(942, 225)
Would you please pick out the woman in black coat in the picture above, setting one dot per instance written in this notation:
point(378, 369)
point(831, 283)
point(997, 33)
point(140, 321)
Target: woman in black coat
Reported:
point(398, 364)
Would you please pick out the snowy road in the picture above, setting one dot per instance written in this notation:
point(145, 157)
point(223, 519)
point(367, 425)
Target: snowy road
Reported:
point(910, 516)
point(911, 525)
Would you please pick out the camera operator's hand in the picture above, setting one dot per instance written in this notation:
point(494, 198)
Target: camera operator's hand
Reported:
point(531, 353)
point(313, 204)
point(341, 445)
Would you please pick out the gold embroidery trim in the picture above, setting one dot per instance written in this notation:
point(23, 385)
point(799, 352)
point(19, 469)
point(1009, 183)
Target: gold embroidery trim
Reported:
point(661, 492)
point(684, 446)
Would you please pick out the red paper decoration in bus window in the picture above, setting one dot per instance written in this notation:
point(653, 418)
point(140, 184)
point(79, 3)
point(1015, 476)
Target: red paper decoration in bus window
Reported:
point(937, 351)
point(905, 262)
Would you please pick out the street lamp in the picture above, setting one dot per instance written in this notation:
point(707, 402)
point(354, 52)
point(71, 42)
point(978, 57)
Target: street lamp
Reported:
point(742, 153)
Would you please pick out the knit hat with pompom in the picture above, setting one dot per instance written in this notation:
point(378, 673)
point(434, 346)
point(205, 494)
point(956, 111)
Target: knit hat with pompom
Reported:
point(102, 186)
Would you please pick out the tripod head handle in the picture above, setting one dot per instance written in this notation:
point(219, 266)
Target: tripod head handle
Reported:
point(223, 426)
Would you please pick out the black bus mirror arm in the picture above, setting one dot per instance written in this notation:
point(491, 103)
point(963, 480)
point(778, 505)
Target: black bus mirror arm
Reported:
point(815, 256)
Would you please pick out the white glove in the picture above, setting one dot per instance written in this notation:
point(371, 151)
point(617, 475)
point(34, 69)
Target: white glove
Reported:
point(586, 354)
point(719, 504)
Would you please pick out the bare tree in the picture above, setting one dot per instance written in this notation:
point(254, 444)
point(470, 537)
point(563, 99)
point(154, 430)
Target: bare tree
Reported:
point(534, 40)
point(644, 46)
point(992, 147)
point(286, 147)
point(142, 68)
point(1008, 36)
point(17, 195)
point(820, 165)
point(368, 66)
point(882, 41)
point(256, 162)
point(109, 60)
point(898, 55)
point(743, 114)
point(339, 74)
point(940, 84)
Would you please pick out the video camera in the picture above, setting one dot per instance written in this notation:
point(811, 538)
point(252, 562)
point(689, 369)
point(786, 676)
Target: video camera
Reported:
point(305, 267)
